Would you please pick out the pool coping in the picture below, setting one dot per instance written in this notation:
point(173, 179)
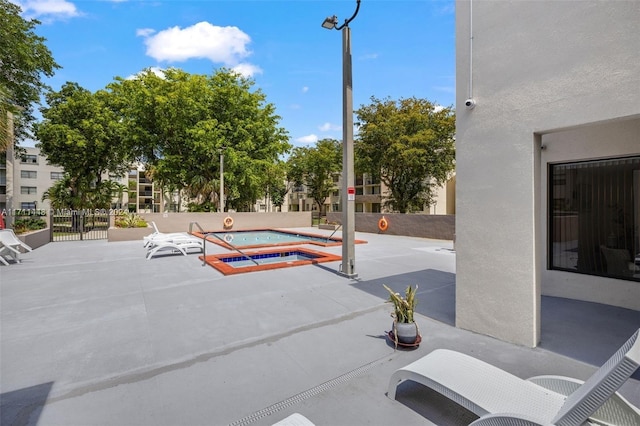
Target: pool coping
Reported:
point(215, 260)
point(335, 240)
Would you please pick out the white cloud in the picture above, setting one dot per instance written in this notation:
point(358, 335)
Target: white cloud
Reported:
point(145, 32)
point(225, 45)
point(438, 108)
point(307, 139)
point(247, 70)
point(326, 127)
point(48, 9)
point(305, 89)
point(156, 70)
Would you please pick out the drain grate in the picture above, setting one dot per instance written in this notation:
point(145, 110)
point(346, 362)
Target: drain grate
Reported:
point(306, 394)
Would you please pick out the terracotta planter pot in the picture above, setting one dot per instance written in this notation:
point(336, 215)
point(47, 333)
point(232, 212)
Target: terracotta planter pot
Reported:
point(406, 333)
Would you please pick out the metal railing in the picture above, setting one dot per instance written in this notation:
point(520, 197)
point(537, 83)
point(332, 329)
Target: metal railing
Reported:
point(78, 226)
point(204, 243)
point(334, 231)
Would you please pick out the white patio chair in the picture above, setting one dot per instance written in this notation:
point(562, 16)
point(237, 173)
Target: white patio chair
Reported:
point(176, 245)
point(11, 245)
point(4, 250)
point(296, 419)
point(157, 236)
point(500, 398)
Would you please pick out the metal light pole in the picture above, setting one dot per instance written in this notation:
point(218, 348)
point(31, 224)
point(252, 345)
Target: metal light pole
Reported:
point(221, 201)
point(348, 267)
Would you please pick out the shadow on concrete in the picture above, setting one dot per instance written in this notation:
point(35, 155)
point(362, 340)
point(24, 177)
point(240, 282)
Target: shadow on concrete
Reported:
point(585, 331)
point(571, 327)
point(436, 292)
point(23, 406)
point(440, 410)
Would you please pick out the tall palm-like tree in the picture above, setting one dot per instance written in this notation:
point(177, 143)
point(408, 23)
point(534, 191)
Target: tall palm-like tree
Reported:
point(60, 195)
point(118, 192)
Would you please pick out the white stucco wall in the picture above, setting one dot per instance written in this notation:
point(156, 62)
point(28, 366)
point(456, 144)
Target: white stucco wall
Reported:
point(536, 67)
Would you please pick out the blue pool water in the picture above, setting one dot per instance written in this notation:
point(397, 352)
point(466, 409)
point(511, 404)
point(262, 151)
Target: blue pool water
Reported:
point(267, 237)
point(283, 257)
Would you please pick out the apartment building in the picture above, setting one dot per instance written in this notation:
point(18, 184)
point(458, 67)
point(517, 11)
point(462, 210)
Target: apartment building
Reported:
point(3, 181)
point(370, 193)
point(142, 195)
point(24, 180)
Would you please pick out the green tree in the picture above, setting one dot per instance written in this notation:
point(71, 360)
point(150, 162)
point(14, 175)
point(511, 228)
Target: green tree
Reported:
point(7, 111)
point(82, 133)
point(275, 183)
point(118, 190)
point(60, 195)
point(179, 124)
point(410, 145)
point(315, 167)
point(24, 61)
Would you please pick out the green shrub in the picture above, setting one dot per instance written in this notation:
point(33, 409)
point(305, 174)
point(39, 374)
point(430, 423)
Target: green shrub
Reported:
point(130, 220)
point(28, 224)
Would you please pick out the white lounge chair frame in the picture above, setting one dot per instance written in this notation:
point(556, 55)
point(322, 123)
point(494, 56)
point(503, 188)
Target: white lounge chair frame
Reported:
point(11, 245)
point(5, 251)
point(152, 240)
point(181, 245)
point(157, 236)
point(296, 419)
point(500, 398)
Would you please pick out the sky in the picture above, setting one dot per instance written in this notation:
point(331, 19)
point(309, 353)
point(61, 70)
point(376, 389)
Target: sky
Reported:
point(400, 49)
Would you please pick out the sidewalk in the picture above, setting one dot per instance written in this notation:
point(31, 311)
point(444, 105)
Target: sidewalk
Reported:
point(92, 333)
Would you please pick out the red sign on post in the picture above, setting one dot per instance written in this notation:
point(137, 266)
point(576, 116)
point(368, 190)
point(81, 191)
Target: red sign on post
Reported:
point(351, 193)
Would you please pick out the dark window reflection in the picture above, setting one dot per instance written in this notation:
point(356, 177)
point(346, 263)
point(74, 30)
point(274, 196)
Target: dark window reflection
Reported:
point(594, 225)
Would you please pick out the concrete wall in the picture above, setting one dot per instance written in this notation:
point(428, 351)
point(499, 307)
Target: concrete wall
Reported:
point(537, 68)
point(36, 239)
point(179, 222)
point(439, 227)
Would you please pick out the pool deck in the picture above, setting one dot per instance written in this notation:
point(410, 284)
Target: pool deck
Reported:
point(91, 333)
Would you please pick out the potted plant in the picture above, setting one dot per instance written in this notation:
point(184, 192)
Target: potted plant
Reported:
point(405, 330)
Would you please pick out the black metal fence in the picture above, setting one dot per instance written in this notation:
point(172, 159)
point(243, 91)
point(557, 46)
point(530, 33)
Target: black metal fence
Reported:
point(76, 225)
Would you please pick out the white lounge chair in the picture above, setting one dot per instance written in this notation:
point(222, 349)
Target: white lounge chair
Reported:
point(11, 245)
point(4, 251)
point(157, 236)
point(500, 398)
point(177, 245)
point(296, 419)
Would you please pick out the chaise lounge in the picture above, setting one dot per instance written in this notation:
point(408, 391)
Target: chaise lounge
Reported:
point(157, 237)
point(11, 245)
point(500, 398)
point(175, 245)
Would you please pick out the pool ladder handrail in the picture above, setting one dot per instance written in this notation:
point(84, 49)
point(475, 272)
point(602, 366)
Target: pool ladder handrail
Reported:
point(204, 241)
point(334, 231)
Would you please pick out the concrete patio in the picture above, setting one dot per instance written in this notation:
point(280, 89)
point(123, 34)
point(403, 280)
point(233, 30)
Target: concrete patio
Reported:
point(94, 334)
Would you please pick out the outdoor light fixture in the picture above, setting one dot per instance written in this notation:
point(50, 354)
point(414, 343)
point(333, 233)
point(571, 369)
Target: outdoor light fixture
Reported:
point(348, 195)
point(330, 22)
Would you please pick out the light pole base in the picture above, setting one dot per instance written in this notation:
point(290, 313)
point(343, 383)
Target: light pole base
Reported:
point(347, 275)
